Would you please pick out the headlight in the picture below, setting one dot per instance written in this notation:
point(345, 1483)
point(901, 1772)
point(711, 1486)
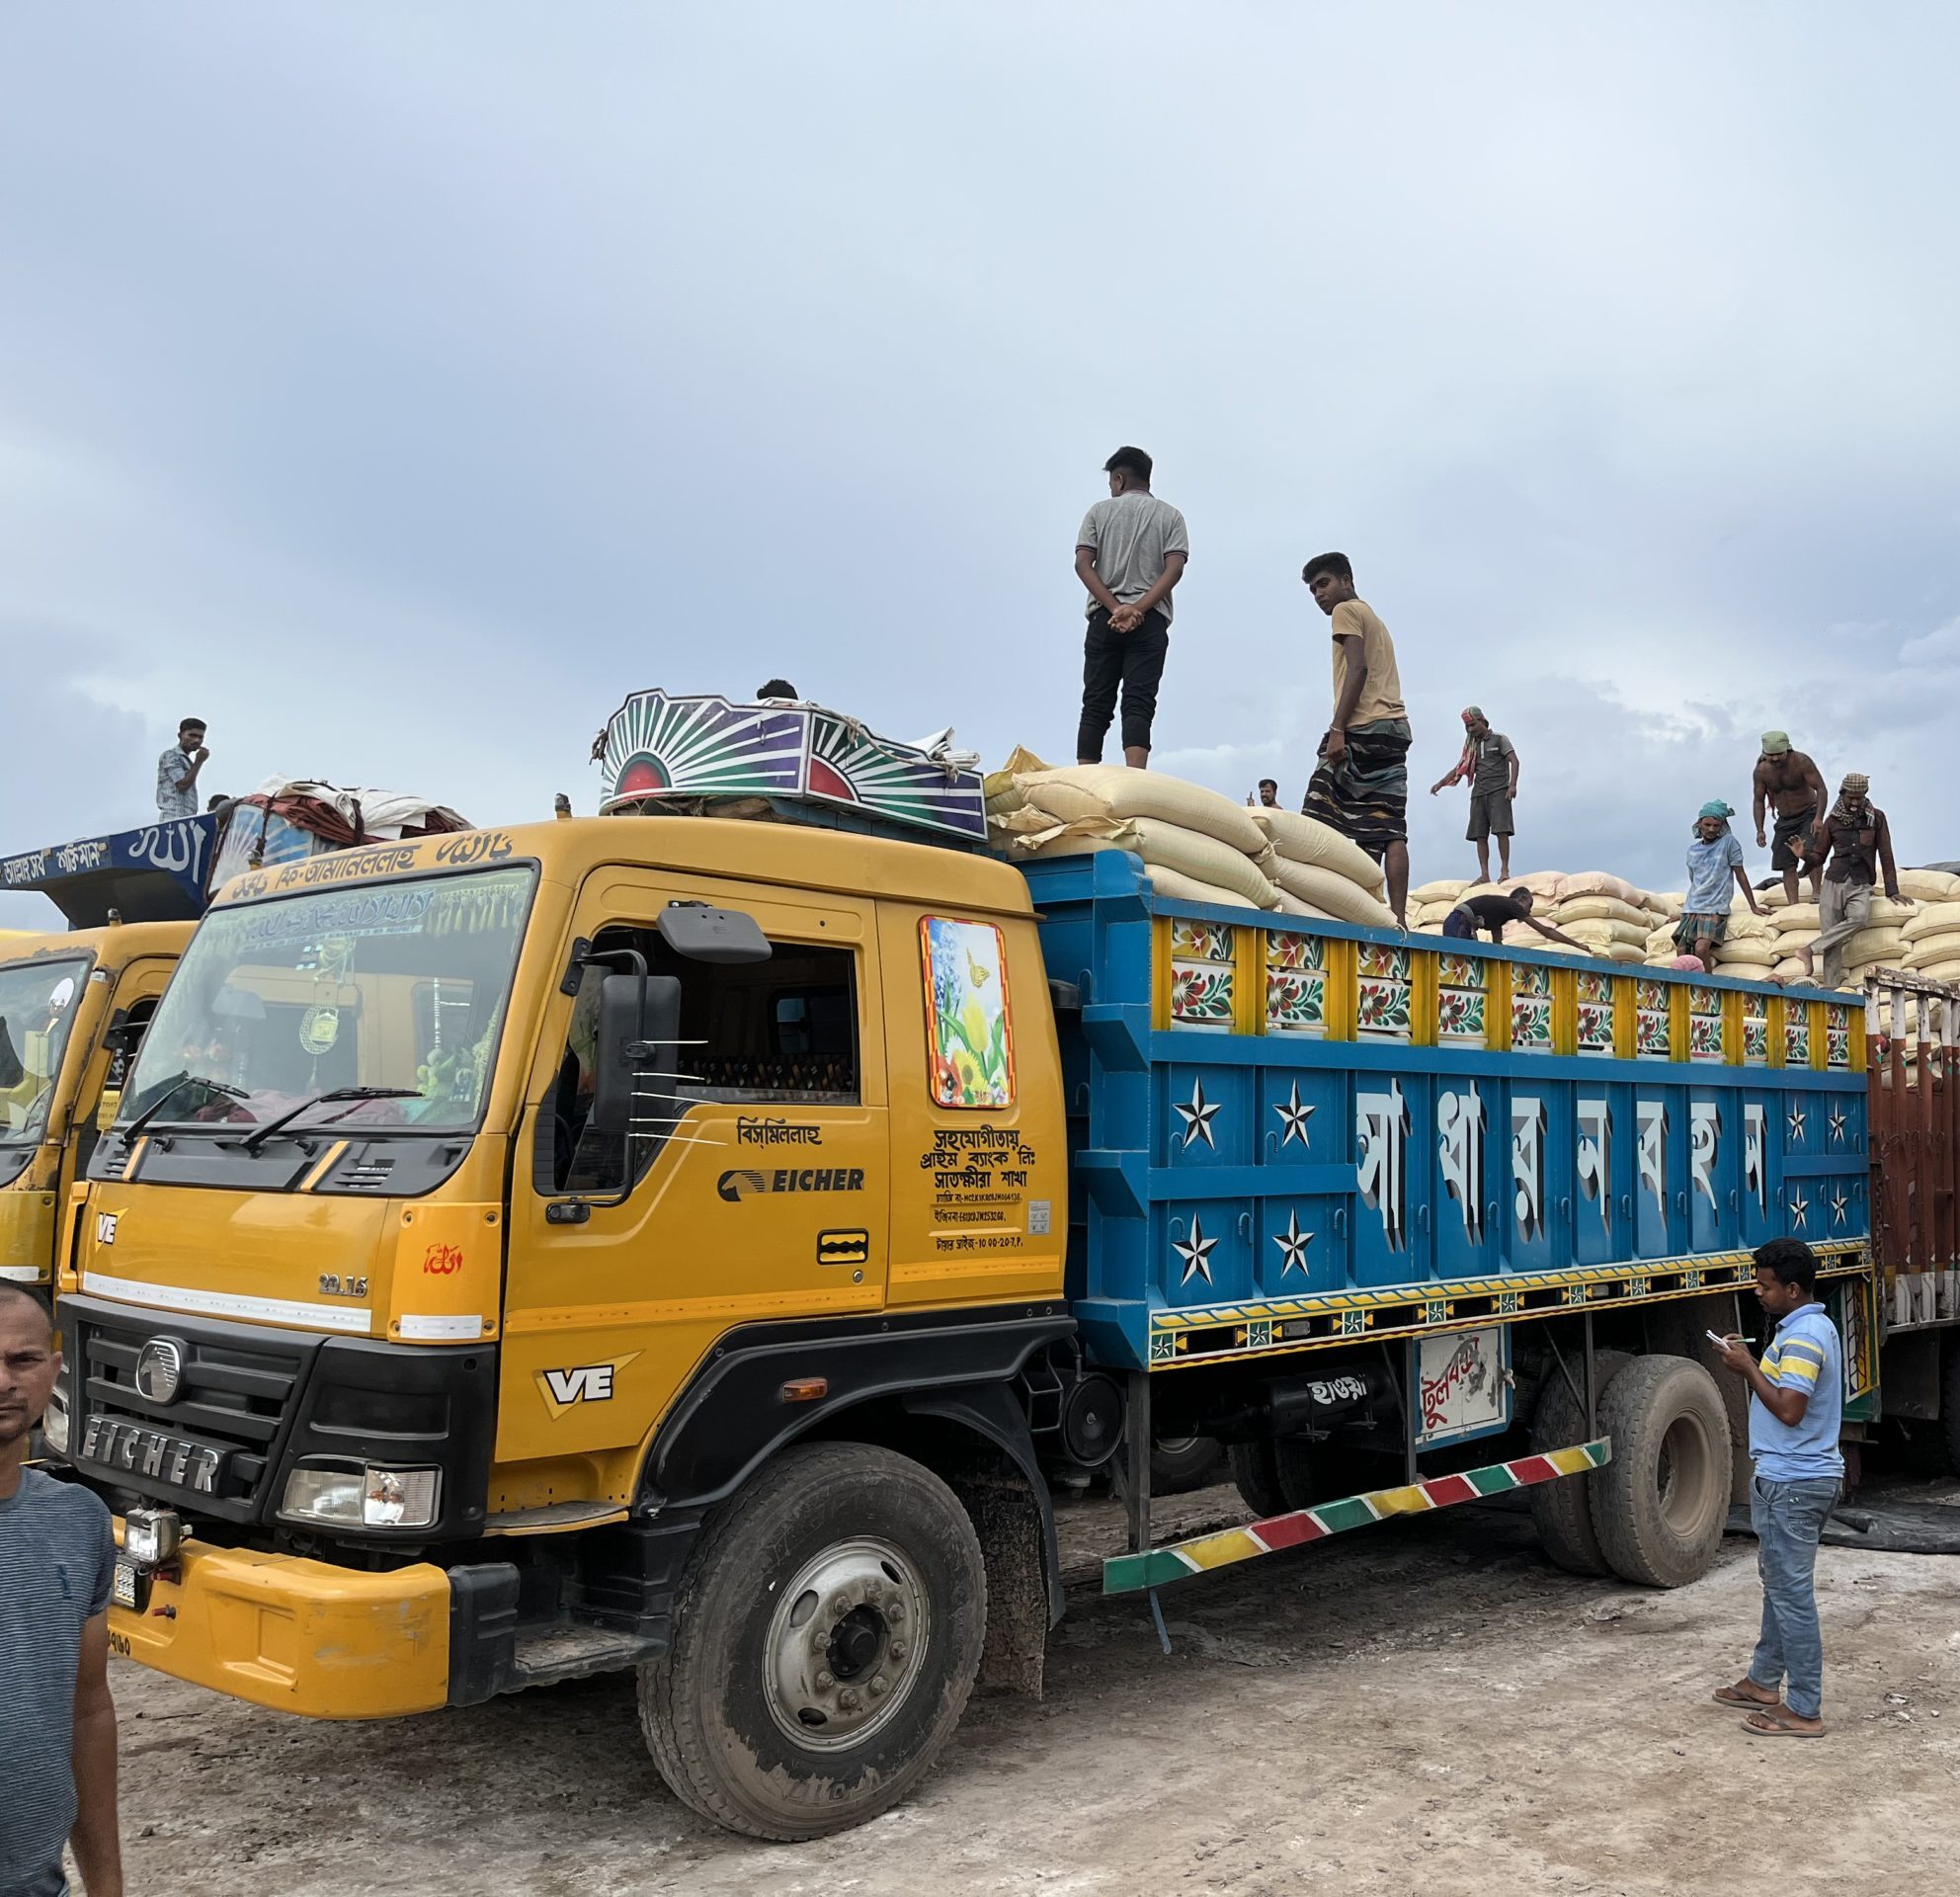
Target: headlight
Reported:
point(150, 1536)
point(54, 1423)
point(365, 1498)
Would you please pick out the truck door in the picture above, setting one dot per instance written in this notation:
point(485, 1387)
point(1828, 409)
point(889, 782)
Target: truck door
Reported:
point(138, 988)
point(765, 1199)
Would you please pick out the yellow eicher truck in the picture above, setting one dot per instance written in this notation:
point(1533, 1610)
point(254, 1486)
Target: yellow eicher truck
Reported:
point(72, 1011)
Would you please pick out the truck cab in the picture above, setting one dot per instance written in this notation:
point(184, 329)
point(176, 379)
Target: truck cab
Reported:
point(73, 1007)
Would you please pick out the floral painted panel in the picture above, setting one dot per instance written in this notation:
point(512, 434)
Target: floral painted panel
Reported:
point(1200, 940)
point(1838, 1037)
point(1531, 1024)
point(1594, 987)
point(1796, 1035)
point(1382, 1006)
point(1532, 978)
point(968, 1013)
point(1704, 1037)
point(1290, 949)
point(1202, 994)
point(1461, 971)
point(1756, 1041)
point(1596, 1026)
point(1462, 1015)
point(1648, 993)
point(1384, 960)
point(1295, 1002)
point(1651, 1032)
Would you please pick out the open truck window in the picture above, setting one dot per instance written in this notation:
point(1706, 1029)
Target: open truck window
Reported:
point(781, 1030)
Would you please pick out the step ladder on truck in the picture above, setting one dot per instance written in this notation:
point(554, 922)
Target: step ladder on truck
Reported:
point(687, 1244)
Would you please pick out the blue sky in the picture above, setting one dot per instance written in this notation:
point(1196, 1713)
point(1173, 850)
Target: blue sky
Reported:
point(398, 386)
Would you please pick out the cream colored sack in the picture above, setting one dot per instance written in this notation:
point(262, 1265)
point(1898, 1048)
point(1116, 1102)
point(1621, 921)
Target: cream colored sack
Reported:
point(1447, 891)
point(1748, 955)
point(1598, 882)
point(1927, 950)
point(1115, 791)
point(1796, 918)
point(1935, 919)
point(1671, 903)
point(1929, 886)
point(1543, 884)
point(1598, 909)
point(1291, 905)
point(1203, 859)
point(1180, 888)
point(1603, 933)
point(1303, 840)
point(1330, 891)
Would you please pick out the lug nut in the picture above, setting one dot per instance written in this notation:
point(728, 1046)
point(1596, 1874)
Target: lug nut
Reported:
point(896, 1612)
point(848, 1699)
point(897, 1649)
point(878, 1684)
point(840, 1604)
point(825, 1682)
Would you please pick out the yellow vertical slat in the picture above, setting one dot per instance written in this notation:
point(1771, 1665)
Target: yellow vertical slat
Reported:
point(1680, 1006)
point(1565, 1011)
point(1422, 992)
point(1498, 1023)
point(1626, 1018)
point(1249, 981)
point(1775, 1029)
point(1820, 1036)
point(1342, 989)
point(1160, 972)
point(1732, 1028)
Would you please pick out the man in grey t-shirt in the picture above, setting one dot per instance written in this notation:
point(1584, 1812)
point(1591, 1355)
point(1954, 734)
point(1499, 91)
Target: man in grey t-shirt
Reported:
point(1129, 553)
point(57, 1561)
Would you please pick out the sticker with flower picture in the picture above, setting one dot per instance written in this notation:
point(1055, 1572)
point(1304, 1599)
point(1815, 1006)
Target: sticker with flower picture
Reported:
point(1200, 940)
point(967, 1015)
point(1202, 994)
point(1531, 1024)
point(1384, 960)
point(1295, 1002)
point(1294, 949)
point(1596, 1028)
point(1461, 1015)
point(1382, 1009)
point(1652, 1038)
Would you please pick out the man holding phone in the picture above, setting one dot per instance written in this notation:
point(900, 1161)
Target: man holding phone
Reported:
point(177, 771)
point(1795, 1413)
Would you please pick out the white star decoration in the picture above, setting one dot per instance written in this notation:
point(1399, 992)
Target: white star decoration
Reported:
point(1839, 1205)
point(1294, 1112)
point(1196, 1116)
point(1799, 1209)
point(1838, 1122)
point(1292, 1243)
point(1195, 1252)
point(1796, 1123)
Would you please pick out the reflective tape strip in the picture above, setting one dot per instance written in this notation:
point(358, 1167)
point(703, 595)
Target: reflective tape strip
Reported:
point(22, 1274)
point(265, 1310)
point(442, 1328)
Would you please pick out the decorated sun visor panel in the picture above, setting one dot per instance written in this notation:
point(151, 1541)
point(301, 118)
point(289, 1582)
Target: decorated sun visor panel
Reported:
point(657, 749)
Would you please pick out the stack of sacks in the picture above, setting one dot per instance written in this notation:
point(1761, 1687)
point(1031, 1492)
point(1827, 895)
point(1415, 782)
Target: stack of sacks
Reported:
point(1196, 844)
point(1879, 944)
point(1430, 905)
point(1606, 913)
point(1930, 943)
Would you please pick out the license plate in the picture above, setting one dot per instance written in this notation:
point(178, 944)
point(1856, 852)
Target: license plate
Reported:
point(123, 1588)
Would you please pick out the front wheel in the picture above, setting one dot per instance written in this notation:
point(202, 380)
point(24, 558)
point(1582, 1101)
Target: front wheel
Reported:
point(1661, 1504)
point(826, 1633)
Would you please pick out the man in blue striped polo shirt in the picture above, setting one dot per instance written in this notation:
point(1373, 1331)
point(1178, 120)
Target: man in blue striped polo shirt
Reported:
point(1795, 1411)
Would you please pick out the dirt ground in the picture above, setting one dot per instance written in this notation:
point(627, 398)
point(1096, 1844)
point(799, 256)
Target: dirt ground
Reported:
point(1424, 1704)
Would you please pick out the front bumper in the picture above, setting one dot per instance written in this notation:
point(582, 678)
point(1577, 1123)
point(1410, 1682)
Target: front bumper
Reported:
point(296, 1635)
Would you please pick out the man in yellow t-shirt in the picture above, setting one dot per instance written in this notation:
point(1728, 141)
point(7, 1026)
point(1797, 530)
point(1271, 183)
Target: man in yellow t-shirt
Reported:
point(1361, 786)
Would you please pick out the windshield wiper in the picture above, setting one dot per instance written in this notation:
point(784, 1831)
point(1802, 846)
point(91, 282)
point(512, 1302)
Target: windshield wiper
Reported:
point(170, 1093)
point(258, 1136)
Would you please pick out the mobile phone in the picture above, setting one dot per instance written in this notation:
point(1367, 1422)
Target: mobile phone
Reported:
point(1715, 1337)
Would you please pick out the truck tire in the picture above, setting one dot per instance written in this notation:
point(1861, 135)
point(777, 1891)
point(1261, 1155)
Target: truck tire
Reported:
point(1949, 1402)
point(1256, 1472)
point(1559, 1509)
point(1315, 1473)
point(1659, 1504)
point(827, 1632)
point(1181, 1463)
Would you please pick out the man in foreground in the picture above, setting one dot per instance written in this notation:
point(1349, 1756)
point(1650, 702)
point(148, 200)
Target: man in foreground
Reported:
point(1489, 765)
point(1361, 786)
point(1492, 914)
point(57, 1722)
point(1130, 553)
point(1791, 785)
point(1852, 848)
point(177, 770)
point(1796, 1408)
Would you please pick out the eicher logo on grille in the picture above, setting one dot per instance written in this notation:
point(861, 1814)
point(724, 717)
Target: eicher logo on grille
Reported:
point(118, 1445)
point(159, 1370)
point(742, 1182)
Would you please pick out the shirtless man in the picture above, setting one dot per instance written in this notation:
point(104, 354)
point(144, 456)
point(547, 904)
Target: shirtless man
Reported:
point(1791, 785)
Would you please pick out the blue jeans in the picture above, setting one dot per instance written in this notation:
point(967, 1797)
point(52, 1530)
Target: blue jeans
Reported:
point(1788, 1516)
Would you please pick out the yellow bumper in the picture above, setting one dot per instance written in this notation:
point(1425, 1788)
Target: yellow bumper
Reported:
point(299, 1637)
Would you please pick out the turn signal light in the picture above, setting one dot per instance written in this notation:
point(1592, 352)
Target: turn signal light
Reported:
point(804, 1389)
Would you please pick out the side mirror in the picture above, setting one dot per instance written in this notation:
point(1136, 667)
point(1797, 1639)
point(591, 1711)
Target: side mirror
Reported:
point(639, 1029)
point(702, 934)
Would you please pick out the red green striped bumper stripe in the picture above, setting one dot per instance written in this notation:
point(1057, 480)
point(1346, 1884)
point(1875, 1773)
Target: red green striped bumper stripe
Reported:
point(1126, 1573)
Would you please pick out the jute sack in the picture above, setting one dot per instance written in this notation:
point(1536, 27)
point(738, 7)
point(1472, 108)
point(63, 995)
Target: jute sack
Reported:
point(1620, 951)
point(1935, 919)
point(1598, 882)
point(1541, 883)
point(1115, 790)
point(1332, 893)
point(1884, 909)
point(1447, 891)
point(1873, 945)
point(1922, 951)
point(1598, 909)
point(1671, 903)
point(1203, 859)
point(1929, 886)
point(1603, 933)
point(1303, 840)
point(1291, 905)
point(1795, 918)
point(1182, 888)
point(1748, 955)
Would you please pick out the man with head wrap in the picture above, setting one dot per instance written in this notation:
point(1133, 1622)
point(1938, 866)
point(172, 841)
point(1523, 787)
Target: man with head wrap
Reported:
point(1714, 861)
point(1490, 764)
point(1854, 846)
point(1790, 783)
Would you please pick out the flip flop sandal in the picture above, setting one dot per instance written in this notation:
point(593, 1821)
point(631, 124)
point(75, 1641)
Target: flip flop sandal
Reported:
point(1759, 1726)
point(1729, 1697)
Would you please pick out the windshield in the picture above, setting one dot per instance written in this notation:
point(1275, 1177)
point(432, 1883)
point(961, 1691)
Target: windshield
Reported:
point(398, 985)
point(37, 1003)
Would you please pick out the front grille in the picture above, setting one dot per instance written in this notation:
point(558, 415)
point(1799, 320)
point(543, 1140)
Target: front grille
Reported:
point(232, 1402)
point(365, 1176)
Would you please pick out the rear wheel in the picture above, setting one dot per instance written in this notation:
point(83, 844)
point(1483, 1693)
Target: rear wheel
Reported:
point(1255, 1471)
point(826, 1633)
point(1949, 1404)
point(1181, 1463)
point(1659, 1504)
point(1560, 1507)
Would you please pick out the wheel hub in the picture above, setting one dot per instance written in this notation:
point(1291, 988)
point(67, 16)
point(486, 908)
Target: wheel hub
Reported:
point(845, 1643)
